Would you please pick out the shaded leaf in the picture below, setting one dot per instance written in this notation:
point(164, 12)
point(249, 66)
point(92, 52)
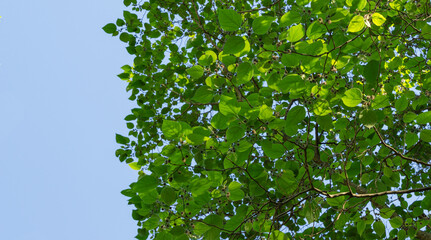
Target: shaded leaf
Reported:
point(262, 24)
point(203, 95)
point(168, 195)
point(426, 135)
point(424, 118)
point(196, 71)
point(234, 45)
point(229, 19)
point(244, 73)
point(379, 228)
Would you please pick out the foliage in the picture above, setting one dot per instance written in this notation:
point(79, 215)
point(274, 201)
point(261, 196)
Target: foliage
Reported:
point(278, 119)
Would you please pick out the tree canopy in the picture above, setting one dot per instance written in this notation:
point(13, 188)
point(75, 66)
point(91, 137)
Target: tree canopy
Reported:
point(278, 119)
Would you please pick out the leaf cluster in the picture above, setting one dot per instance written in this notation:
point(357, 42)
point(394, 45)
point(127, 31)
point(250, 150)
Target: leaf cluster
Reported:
point(278, 119)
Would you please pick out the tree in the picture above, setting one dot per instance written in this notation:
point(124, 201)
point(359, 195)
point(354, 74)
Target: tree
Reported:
point(278, 119)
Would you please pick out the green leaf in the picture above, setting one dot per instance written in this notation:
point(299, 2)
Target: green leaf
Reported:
point(368, 118)
point(229, 19)
point(380, 101)
point(386, 213)
point(352, 97)
point(235, 191)
point(290, 18)
point(152, 222)
point(278, 235)
point(121, 139)
point(219, 121)
point(356, 4)
point(410, 117)
point(361, 225)
point(378, 19)
point(234, 45)
point(234, 133)
point(135, 166)
point(356, 24)
point(227, 59)
point(290, 60)
point(208, 58)
point(244, 146)
point(124, 37)
point(401, 104)
point(262, 24)
point(295, 33)
point(424, 118)
point(411, 139)
point(316, 30)
point(110, 28)
point(396, 222)
point(286, 183)
point(322, 108)
point(335, 202)
point(379, 228)
point(229, 106)
point(426, 135)
point(127, 2)
point(199, 186)
point(272, 150)
point(265, 112)
point(196, 71)
point(426, 202)
point(145, 184)
point(171, 129)
point(295, 115)
point(245, 72)
point(203, 95)
point(401, 234)
point(236, 221)
point(325, 122)
point(168, 195)
point(371, 73)
point(426, 31)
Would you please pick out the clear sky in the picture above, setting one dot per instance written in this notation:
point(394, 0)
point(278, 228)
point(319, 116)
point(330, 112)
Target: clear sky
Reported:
point(61, 105)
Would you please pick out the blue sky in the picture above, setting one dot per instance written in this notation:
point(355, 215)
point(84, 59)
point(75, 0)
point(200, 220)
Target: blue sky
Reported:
point(61, 105)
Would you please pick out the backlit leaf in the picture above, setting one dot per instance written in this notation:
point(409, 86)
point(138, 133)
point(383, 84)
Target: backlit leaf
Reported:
point(235, 191)
point(295, 33)
point(378, 19)
point(352, 97)
point(290, 18)
point(356, 24)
